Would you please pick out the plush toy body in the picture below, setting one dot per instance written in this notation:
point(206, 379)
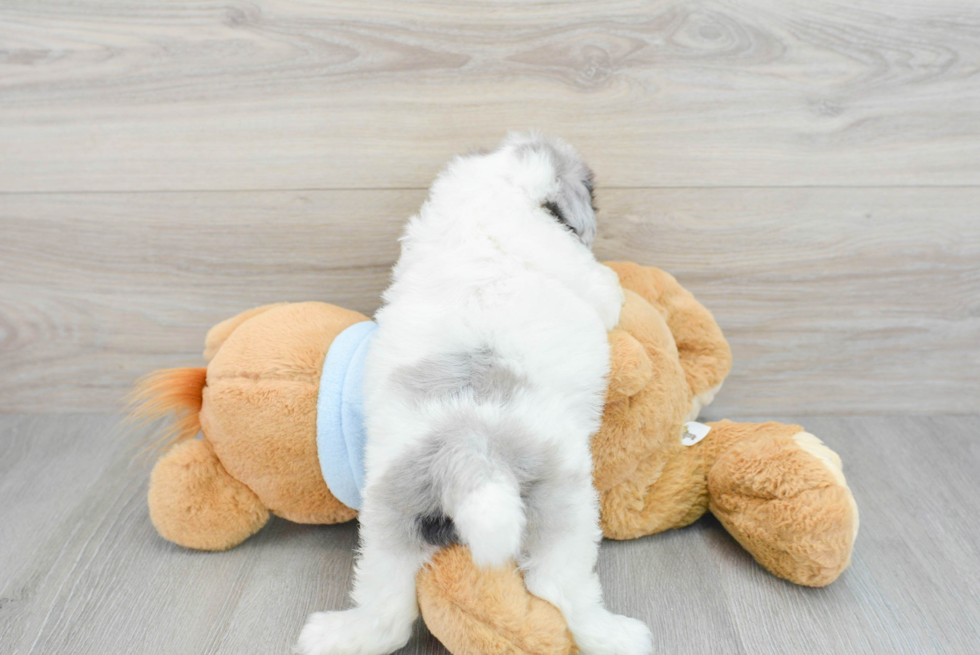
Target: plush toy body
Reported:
point(776, 488)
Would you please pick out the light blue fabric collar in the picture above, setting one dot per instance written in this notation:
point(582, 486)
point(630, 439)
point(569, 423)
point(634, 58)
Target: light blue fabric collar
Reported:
point(340, 433)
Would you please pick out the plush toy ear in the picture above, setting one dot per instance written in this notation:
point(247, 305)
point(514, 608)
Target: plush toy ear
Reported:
point(630, 366)
point(704, 353)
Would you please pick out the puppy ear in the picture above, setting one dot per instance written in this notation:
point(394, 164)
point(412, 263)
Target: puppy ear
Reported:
point(569, 198)
point(552, 208)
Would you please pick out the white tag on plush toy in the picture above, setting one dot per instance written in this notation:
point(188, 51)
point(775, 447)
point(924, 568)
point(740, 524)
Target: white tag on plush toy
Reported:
point(694, 432)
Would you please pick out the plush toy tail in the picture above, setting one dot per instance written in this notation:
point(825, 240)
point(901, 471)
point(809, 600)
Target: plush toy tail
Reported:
point(171, 391)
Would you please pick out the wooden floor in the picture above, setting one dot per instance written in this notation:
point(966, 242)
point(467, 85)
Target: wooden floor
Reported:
point(84, 572)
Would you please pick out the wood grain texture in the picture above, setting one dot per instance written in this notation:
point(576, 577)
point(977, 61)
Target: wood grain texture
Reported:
point(911, 587)
point(84, 573)
point(127, 95)
point(99, 289)
point(834, 300)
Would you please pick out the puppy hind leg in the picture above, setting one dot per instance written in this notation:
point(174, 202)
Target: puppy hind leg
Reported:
point(384, 595)
point(560, 568)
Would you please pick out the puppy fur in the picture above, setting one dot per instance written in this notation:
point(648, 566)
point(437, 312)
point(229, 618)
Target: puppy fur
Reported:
point(483, 386)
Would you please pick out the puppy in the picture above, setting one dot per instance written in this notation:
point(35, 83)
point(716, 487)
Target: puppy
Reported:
point(482, 388)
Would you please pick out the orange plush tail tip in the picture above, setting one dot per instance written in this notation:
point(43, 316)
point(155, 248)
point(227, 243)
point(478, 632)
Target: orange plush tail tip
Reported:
point(170, 391)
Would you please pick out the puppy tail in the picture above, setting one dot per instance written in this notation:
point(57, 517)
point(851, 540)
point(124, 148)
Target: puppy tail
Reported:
point(490, 520)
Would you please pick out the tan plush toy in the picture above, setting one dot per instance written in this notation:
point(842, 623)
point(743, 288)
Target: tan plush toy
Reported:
point(776, 488)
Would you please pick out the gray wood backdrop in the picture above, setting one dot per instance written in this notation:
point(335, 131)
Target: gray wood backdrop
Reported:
point(811, 170)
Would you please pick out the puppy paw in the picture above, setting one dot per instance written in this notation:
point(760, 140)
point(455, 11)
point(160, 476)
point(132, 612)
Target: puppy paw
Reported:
point(609, 297)
point(324, 634)
point(315, 637)
point(630, 637)
point(349, 633)
point(615, 635)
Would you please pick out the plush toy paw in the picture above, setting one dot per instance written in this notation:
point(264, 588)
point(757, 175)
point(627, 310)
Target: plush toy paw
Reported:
point(353, 632)
point(613, 634)
point(785, 499)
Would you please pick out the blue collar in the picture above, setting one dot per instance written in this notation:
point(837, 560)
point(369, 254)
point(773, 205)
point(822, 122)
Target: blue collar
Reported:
point(340, 434)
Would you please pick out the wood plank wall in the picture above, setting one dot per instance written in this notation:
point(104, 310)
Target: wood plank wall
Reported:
point(809, 168)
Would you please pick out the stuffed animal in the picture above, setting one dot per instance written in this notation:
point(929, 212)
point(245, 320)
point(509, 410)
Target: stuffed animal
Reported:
point(279, 409)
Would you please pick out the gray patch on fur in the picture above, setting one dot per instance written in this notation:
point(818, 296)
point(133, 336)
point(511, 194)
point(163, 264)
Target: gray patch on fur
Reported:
point(573, 204)
point(478, 374)
point(420, 491)
point(437, 530)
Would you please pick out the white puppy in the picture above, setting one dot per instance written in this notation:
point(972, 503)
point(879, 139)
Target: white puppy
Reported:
point(483, 386)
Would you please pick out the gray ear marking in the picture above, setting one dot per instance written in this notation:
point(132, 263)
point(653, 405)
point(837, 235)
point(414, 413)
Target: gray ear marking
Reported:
point(573, 205)
point(552, 208)
point(590, 187)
